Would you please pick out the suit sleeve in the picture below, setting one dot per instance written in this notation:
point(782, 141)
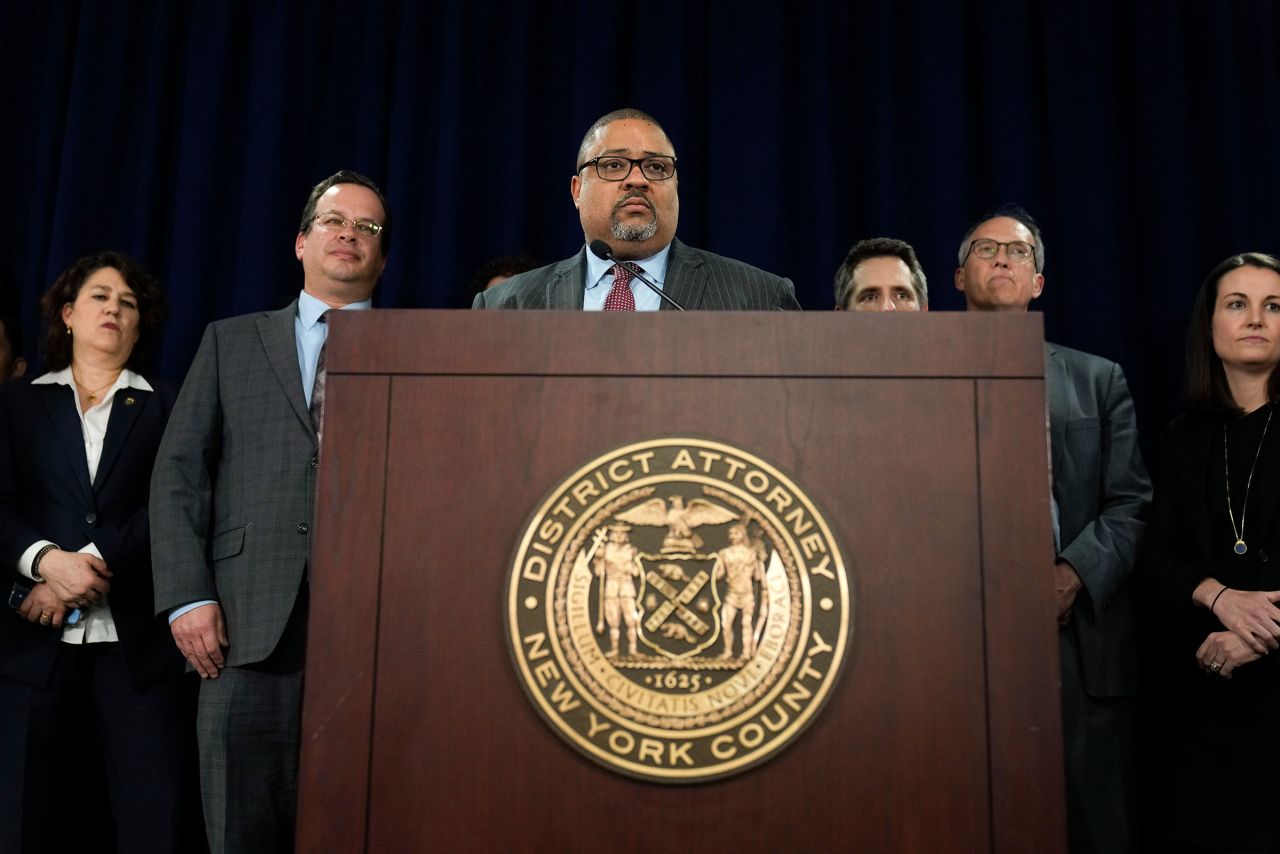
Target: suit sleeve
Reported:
point(182, 486)
point(1104, 552)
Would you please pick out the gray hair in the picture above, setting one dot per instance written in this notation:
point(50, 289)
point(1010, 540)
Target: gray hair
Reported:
point(1011, 212)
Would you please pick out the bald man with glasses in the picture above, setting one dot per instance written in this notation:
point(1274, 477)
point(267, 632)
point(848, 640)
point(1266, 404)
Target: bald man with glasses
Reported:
point(626, 191)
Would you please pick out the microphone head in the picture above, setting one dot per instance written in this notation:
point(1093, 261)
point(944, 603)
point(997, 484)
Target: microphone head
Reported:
point(601, 250)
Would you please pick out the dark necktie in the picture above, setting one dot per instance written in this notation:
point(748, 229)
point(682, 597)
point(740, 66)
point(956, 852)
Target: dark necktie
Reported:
point(620, 297)
point(317, 387)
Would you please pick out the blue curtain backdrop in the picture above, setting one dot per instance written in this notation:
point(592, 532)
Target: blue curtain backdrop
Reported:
point(1144, 136)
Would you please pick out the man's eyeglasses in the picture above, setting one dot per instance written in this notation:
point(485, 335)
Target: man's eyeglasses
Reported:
point(1019, 251)
point(612, 168)
point(363, 227)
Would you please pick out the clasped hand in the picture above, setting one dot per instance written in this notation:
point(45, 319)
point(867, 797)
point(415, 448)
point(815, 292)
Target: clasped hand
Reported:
point(76, 578)
point(1226, 650)
point(1252, 615)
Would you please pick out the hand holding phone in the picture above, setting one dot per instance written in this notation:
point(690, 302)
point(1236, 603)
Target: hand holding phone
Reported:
point(19, 592)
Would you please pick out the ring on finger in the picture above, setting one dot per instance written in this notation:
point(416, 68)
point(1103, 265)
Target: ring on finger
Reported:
point(1215, 667)
point(45, 618)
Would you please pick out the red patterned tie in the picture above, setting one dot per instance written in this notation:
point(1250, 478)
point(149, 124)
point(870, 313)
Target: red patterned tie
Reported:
point(620, 297)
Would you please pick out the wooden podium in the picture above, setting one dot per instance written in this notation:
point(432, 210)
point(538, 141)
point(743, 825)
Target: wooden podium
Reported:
point(921, 437)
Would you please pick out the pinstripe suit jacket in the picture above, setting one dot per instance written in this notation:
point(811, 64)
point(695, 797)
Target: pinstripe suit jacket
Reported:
point(234, 481)
point(695, 279)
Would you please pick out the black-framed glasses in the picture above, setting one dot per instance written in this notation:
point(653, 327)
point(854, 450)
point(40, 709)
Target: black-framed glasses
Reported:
point(1019, 251)
point(331, 221)
point(613, 168)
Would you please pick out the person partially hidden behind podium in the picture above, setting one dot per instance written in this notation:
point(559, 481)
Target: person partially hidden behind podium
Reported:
point(625, 189)
point(881, 274)
point(1100, 492)
point(231, 517)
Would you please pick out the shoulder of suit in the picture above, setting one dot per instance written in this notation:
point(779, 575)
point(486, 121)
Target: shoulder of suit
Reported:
point(252, 318)
point(1081, 360)
point(535, 277)
point(691, 256)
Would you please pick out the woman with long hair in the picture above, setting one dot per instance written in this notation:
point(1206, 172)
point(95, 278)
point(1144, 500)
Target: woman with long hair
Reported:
point(1212, 558)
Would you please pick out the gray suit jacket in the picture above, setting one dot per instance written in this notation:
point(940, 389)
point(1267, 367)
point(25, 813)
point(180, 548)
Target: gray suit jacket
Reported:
point(234, 481)
point(695, 279)
point(1102, 491)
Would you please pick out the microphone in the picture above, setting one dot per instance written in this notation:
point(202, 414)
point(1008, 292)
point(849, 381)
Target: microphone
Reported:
point(602, 250)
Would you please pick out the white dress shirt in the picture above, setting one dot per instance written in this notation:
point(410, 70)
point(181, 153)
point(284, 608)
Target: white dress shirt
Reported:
point(97, 624)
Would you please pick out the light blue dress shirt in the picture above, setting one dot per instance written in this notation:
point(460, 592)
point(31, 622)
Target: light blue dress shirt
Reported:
point(600, 281)
point(310, 335)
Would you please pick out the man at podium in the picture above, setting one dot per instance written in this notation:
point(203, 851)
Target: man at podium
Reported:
point(1099, 493)
point(625, 190)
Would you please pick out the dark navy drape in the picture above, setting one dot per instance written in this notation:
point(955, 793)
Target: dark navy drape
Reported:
point(1145, 136)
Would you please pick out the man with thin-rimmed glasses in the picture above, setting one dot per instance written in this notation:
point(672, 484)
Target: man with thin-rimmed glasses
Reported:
point(231, 516)
point(625, 189)
point(1100, 492)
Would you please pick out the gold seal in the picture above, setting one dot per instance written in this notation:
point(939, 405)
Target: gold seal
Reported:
point(678, 610)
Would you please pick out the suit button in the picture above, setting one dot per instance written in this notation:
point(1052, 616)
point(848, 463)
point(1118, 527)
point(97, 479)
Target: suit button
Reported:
point(315, 462)
point(303, 528)
point(1263, 556)
point(91, 518)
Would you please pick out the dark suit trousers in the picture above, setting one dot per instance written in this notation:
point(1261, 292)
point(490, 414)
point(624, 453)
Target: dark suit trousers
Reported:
point(1098, 737)
point(89, 726)
point(249, 729)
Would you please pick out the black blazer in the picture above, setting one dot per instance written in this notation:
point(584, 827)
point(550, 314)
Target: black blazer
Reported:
point(45, 493)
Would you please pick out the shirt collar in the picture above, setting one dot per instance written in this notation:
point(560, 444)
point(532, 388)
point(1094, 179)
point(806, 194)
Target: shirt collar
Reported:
point(655, 266)
point(127, 379)
point(310, 308)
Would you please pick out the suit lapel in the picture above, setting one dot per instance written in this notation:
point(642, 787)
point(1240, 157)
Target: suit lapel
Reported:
point(125, 409)
point(66, 426)
point(566, 286)
point(281, 346)
point(686, 277)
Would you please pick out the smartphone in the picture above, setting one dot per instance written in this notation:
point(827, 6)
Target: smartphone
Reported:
point(19, 592)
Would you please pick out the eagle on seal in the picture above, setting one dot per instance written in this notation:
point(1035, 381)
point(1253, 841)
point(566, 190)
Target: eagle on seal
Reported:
point(679, 519)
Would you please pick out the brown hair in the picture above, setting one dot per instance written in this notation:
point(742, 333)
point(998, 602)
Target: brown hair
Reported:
point(152, 307)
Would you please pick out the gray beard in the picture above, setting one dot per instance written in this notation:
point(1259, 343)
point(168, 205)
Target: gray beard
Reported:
point(634, 233)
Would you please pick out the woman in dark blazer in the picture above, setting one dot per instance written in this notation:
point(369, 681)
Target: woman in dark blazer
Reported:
point(1212, 559)
point(88, 677)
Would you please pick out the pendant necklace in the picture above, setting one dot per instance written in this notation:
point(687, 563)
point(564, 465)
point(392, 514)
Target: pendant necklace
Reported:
point(1240, 547)
point(93, 395)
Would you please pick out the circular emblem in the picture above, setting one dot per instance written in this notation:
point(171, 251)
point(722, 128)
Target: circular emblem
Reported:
point(678, 610)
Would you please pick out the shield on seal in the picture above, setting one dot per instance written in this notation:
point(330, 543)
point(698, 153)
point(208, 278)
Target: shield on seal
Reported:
point(680, 606)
